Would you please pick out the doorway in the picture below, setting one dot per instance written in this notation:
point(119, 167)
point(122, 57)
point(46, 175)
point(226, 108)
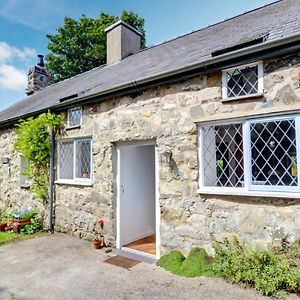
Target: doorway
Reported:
point(137, 201)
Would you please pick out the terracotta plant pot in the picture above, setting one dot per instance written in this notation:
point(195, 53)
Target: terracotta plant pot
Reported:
point(3, 226)
point(16, 225)
point(97, 244)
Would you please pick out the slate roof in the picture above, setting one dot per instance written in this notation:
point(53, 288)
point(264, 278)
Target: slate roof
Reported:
point(278, 20)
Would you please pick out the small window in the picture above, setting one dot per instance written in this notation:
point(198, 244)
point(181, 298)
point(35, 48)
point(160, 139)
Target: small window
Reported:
point(75, 161)
point(24, 181)
point(256, 155)
point(74, 117)
point(242, 81)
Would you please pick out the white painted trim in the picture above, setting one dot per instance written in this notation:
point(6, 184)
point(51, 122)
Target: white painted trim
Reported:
point(251, 189)
point(140, 253)
point(72, 182)
point(118, 209)
point(243, 192)
point(68, 118)
point(200, 157)
point(75, 181)
point(224, 85)
point(157, 201)
point(260, 81)
point(297, 127)
point(260, 73)
point(157, 205)
point(246, 155)
point(246, 97)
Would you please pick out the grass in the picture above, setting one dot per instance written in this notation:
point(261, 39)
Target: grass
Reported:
point(197, 263)
point(7, 237)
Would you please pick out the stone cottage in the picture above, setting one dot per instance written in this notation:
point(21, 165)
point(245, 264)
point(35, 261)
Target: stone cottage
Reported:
point(198, 135)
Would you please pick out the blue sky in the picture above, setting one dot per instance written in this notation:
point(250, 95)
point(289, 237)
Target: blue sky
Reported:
point(25, 23)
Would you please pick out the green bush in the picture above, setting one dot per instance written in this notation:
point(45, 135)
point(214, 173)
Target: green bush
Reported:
point(33, 142)
point(35, 226)
point(265, 270)
point(172, 261)
point(197, 263)
point(6, 215)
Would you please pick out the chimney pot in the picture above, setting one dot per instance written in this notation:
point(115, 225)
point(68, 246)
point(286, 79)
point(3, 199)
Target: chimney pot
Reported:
point(41, 60)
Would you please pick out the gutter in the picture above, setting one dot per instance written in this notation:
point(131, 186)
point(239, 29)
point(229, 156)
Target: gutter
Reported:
point(212, 64)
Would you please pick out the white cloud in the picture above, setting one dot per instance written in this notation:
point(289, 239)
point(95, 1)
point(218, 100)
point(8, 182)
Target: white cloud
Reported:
point(8, 53)
point(12, 78)
point(13, 62)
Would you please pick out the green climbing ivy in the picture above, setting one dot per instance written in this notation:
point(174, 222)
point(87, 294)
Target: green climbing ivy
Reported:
point(33, 143)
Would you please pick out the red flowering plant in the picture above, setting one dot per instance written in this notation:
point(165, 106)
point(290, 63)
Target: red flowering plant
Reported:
point(101, 222)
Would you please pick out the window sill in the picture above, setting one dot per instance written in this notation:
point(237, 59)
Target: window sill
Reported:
point(24, 186)
point(73, 127)
point(71, 182)
point(251, 96)
point(243, 192)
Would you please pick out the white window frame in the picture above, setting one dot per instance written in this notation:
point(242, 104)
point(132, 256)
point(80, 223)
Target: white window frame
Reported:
point(75, 180)
point(249, 189)
point(260, 87)
point(68, 118)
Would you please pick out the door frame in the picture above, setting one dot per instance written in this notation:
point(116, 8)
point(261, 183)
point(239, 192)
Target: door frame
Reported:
point(118, 147)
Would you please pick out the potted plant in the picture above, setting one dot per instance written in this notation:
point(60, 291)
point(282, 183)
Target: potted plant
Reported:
point(98, 241)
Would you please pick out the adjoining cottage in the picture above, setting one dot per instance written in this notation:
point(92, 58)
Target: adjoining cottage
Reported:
point(199, 135)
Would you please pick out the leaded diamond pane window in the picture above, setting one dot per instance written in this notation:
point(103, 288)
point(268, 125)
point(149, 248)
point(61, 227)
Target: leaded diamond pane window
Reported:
point(74, 117)
point(66, 160)
point(223, 155)
point(273, 153)
point(83, 159)
point(74, 160)
point(242, 81)
point(256, 155)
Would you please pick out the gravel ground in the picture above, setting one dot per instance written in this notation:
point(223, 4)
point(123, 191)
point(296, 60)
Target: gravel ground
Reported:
point(62, 267)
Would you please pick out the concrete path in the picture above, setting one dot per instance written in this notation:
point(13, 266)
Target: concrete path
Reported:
point(61, 267)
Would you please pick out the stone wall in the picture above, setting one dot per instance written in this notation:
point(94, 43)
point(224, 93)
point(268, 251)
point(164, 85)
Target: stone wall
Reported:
point(12, 195)
point(168, 115)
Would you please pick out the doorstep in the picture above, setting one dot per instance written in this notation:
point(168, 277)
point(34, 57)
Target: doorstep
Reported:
point(134, 254)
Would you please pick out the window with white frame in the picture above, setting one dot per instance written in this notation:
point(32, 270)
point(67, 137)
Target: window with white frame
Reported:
point(253, 155)
point(74, 117)
point(75, 161)
point(242, 81)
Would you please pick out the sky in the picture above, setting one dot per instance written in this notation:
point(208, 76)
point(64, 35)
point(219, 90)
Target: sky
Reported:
point(25, 23)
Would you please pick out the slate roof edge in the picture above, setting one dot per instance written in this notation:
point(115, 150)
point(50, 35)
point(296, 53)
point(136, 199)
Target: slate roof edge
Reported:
point(204, 64)
point(218, 59)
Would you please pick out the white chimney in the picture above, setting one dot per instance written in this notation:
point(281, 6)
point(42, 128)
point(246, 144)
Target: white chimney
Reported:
point(122, 41)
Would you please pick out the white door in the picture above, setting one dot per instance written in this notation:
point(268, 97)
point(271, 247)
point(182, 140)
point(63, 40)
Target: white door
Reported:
point(136, 203)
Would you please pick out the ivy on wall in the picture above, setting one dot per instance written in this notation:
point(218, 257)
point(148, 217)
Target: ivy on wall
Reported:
point(33, 143)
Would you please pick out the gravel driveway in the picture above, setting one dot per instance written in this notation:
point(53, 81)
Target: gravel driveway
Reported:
point(62, 267)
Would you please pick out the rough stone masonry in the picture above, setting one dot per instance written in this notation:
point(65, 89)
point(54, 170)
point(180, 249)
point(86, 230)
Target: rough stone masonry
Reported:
point(169, 114)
